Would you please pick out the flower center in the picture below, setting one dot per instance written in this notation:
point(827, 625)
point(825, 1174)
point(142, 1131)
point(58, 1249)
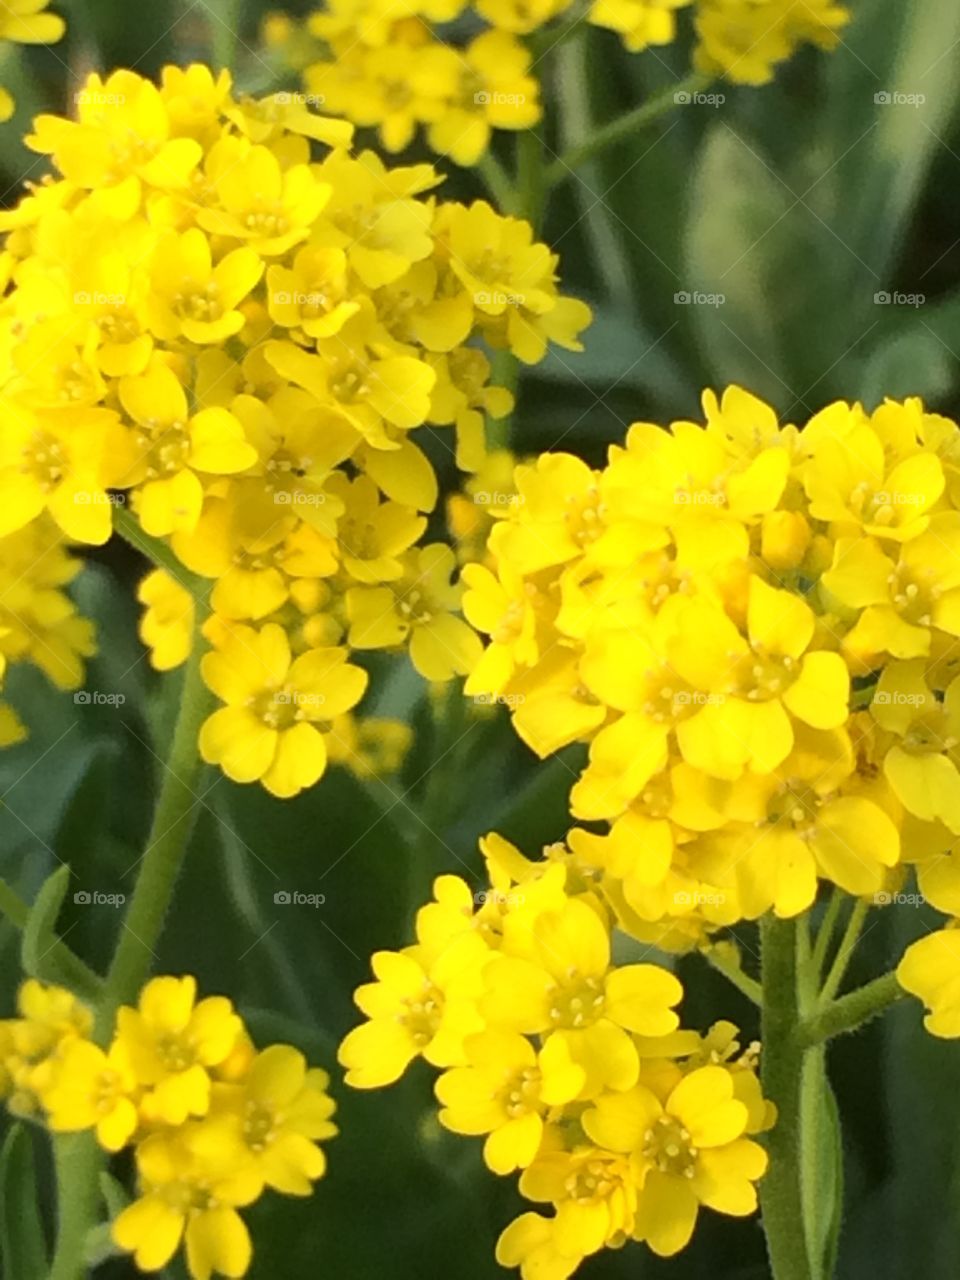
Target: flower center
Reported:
point(577, 1003)
point(668, 1145)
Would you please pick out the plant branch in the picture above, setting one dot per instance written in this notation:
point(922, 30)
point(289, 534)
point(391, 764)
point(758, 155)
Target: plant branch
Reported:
point(850, 1012)
point(734, 973)
point(623, 127)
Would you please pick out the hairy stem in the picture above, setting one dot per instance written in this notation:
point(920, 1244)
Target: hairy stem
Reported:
point(166, 848)
point(781, 1199)
point(850, 1011)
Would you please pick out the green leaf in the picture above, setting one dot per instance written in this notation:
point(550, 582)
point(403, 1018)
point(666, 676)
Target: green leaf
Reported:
point(738, 238)
point(43, 954)
point(882, 150)
point(23, 1248)
point(40, 932)
point(821, 1165)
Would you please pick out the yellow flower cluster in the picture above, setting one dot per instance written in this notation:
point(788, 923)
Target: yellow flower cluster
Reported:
point(239, 342)
point(25, 22)
point(39, 623)
point(399, 67)
point(755, 629)
point(572, 1067)
point(213, 1121)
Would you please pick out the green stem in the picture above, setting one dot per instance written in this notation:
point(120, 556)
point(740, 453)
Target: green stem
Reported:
point(224, 32)
point(532, 183)
point(618, 130)
point(781, 1198)
point(160, 554)
point(498, 182)
point(825, 933)
point(734, 974)
point(845, 950)
point(78, 1159)
point(166, 848)
point(78, 1162)
point(851, 1011)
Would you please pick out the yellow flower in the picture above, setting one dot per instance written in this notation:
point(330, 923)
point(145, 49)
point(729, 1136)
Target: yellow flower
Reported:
point(688, 1149)
point(930, 970)
point(639, 23)
point(22, 22)
point(487, 87)
point(93, 1089)
point(417, 608)
point(500, 1094)
point(279, 1111)
point(171, 1041)
point(268, 731)
point(189, 1194)
point(129, 139)
point(53, 460)
point(170, 447)
point(255, 200)
point(166, 625)
point(192, 297)
point(413, 1011)
point(568, 992)
point(744, 40)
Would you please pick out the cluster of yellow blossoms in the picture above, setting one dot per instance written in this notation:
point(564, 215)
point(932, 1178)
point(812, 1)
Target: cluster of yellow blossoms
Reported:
point(239, 342)
point(571, 1066)
point(214, 1122)
point(400, 67)
point(755, 628)
point(39, 623)
point(24, 22)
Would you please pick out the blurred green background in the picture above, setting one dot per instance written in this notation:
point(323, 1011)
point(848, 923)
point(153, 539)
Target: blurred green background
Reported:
point(804, 205)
